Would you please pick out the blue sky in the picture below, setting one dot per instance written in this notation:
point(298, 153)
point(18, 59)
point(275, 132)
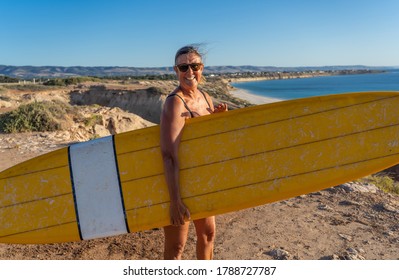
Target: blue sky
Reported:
point(147, 33)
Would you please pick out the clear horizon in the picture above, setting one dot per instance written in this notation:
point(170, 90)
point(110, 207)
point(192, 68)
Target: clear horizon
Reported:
point(128, 33)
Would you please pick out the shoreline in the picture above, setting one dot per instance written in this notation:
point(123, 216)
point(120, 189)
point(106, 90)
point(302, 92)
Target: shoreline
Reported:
point(252, 98)
point(259, 99)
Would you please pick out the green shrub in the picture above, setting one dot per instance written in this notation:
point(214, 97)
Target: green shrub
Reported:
point(36, 116)
point(383, 182)
point(6, 79)
point(26, 87)
point(70, 81)
point(93, 120)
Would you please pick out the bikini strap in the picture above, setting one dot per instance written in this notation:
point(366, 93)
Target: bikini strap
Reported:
point(184, 102)
point(206, 100)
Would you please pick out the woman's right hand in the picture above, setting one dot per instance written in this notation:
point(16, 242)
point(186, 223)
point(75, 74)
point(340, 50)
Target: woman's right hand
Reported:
point(179, 213)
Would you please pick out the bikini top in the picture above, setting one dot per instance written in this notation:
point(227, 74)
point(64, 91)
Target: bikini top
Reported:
point(185, 104)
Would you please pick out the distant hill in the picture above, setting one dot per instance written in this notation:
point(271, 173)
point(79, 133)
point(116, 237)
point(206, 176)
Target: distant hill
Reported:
point(27, 72)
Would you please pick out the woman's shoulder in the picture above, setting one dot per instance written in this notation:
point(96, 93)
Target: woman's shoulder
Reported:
point(176, 92)
point(174, 99)
point(174, 106)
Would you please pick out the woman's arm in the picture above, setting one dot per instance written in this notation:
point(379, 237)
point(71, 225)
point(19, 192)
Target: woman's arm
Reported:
point(172, 123)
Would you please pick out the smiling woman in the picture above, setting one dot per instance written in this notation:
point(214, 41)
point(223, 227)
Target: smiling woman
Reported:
point(189, 53)
point(185, 102)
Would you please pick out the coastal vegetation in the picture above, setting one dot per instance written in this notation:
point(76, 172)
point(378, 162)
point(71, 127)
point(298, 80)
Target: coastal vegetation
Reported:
point(382, 181)
point(27, 87)
point(35, 116)
point(70, 81)
point(6, 79)
point(45, 116)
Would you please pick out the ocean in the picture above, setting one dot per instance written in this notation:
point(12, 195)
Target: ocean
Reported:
point(305, 87)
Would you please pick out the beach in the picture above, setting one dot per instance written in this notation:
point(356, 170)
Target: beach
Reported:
point(252, 98)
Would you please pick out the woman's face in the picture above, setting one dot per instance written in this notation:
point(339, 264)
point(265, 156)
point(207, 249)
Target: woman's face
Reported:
point(189, 79)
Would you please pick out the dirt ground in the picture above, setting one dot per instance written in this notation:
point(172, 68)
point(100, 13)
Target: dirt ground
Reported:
point(350, 221)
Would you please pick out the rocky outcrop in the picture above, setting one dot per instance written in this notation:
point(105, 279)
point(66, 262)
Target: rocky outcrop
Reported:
point(103, 121)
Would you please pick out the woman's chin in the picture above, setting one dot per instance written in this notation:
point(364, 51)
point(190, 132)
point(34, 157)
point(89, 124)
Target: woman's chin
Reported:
point(190, 84)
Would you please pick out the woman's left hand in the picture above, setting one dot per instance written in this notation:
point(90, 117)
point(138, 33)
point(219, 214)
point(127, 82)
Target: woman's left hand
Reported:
point(222, 107)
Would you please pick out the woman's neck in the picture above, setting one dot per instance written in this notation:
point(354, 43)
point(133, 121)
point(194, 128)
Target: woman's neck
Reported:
point(189, 92)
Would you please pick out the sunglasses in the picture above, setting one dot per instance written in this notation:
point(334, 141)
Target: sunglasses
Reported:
point(194, 66)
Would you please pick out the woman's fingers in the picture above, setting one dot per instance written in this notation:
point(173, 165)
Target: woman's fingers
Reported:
point(179, 214)
point(222, 107)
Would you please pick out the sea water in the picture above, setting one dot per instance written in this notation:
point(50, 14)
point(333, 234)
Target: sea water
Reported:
point(305, 87)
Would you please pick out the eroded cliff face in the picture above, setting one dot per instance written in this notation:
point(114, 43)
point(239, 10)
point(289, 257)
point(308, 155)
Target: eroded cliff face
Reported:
point(146, 103)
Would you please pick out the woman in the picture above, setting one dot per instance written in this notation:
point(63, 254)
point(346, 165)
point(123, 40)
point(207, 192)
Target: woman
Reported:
point(185, 102)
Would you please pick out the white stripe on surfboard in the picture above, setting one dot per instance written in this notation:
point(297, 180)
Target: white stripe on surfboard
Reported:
point(97, 191)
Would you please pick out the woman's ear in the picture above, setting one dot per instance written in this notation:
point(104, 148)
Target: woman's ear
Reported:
point(175, 68)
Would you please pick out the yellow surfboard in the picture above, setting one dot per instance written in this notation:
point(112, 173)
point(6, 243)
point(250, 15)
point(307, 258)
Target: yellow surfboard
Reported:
point(229, 161)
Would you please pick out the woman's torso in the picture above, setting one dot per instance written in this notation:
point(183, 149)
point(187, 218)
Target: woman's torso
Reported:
point(195, 107)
